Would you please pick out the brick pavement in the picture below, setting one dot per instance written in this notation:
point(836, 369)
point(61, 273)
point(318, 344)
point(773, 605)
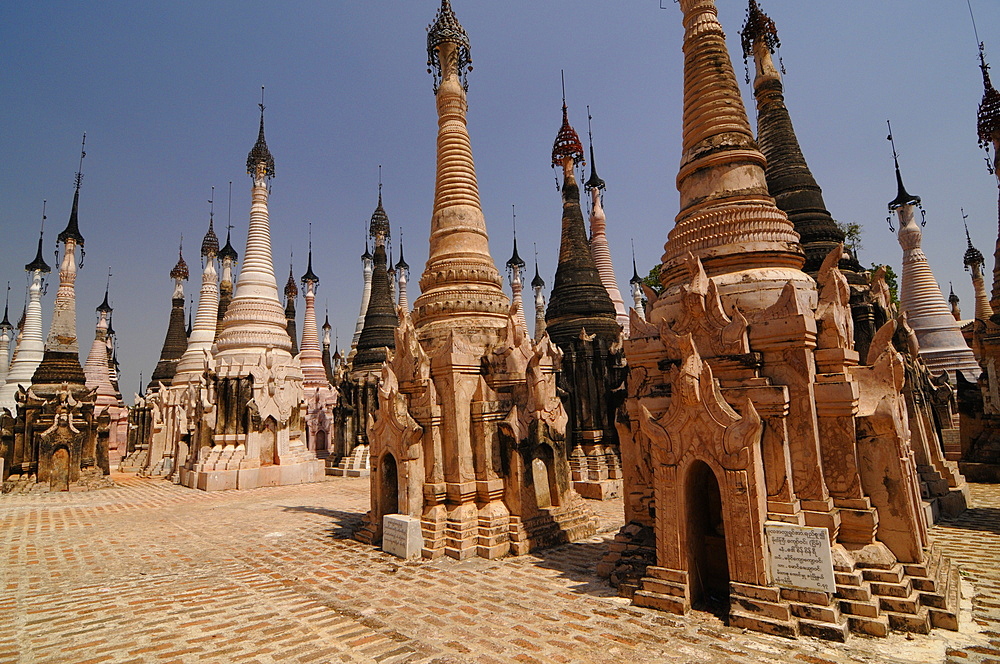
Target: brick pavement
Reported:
point(151, 572)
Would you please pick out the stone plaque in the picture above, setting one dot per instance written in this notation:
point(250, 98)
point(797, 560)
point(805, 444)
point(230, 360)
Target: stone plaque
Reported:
point(800, 557)
point(401, 536)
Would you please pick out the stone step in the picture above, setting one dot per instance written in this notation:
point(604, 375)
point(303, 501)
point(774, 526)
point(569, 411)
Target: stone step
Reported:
point(946, 617)
point(867, 609)
point(659, 601)
point(919, 622)
point(757, 607)
point(910, 604)
point(662, 587)
point(872, 626)
point(818, 614)
point(831, 631)
point(855, 593)
point(894, 574)
point(742, 620)
point(904, 589)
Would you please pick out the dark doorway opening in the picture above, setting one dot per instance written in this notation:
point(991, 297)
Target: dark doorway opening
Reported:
point(708, 566)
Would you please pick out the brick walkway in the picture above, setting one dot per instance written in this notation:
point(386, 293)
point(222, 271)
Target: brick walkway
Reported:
point(151, 572)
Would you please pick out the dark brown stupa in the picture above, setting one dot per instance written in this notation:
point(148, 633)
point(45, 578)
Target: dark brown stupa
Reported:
point(579, 299)
point(175, 342)
point(291, 292)
point(581, 320)
point(789, 179)
point(378, 333)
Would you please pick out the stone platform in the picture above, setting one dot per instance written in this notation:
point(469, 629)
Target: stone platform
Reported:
point(154, 572)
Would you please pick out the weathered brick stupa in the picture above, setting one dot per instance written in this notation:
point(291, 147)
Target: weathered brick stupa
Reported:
point(942, 346)
point(359, 388)
point(752, 429)
point(55, 435)
point(979, 450)
point(595, 186)
point(582, 322)
point(98, 373)
point(30, 344)
point(789, 180)
point(469, 436)
point(253, 435)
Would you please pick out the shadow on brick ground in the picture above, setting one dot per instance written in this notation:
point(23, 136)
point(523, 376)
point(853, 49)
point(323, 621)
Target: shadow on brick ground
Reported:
point(345, 523)
point(577, 562)
point(985, 519)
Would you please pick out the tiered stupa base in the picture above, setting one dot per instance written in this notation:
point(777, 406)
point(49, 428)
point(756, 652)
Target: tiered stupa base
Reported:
point(596, 471)
point(226, 467)
point(872, 598)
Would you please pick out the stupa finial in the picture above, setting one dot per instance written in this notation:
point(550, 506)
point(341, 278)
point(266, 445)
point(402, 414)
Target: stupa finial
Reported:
point(594, 181)
point(447, 30)
point(902, 197)
point(567, 143)
point(260, 161)
point(180, 270)
point(39, 263)
point(72, 230)
point(105, 306)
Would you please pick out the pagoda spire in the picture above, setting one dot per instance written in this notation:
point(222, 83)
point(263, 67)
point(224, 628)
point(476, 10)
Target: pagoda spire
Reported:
point(461, 286)
point(62, 351)
point(291, 293)
point(228, 257)
point(327, 358)
point(96, 366)
point(942, 346)
point(636, 283)
point(176, 339)
point(727, 219)
point(537, 284)
point(953, 302)
point(366, 292)
point(789, 179)
point(311, 357)
point(6, 336)
point(254, 319)
point(402, 276)
point(988, 131)
point(598, 234)
point(515, 266)
point(206, 319)
point(974, 261)
point(30, 344)
point(579, 300)
point(378, 333)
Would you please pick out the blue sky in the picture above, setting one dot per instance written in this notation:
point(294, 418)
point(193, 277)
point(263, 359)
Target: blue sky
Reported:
point(167, 94)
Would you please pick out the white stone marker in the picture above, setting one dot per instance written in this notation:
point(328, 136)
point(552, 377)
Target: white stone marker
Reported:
point(800, 557)
point(401, 536)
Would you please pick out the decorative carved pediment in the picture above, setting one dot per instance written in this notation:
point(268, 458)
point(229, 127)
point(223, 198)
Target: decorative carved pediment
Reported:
point(836, 325)
point(703, 316)
point(514, 350)
point(699, 421)
point(410, 362)
point(394, 427)
point(639, 328)
point(880, 289)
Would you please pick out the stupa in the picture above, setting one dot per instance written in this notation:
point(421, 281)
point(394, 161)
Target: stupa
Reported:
point(582, 322)
point(291, 293)
point(319, 394)
point(942, 346)
point(250, 432)
point(469, 436)
point(599, 248)
point(175, 341)
point(98, 375)
point(30, 344)
point(358, 389)
point(366, 271)
point(979, 449)
point(55, 435)
point(750, 421)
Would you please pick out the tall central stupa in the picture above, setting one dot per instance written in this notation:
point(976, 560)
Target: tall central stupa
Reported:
point(469, 437)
